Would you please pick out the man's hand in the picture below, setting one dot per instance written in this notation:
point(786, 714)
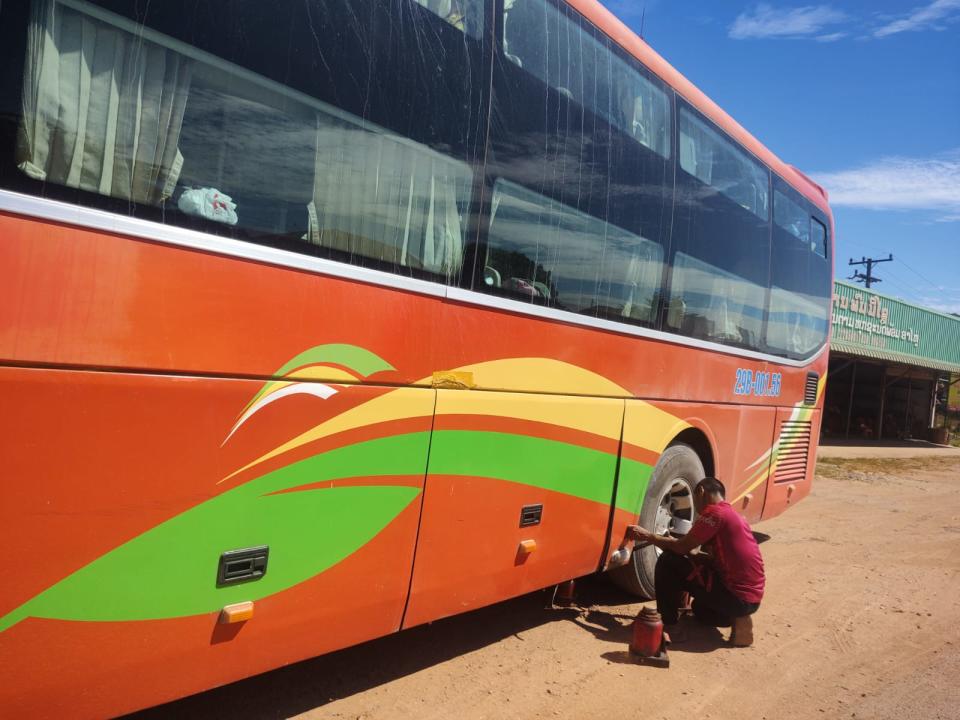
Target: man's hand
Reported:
point(639, 534)
point(680, 546)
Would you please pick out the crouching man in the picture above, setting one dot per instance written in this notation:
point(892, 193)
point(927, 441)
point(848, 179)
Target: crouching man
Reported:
point(726, 581)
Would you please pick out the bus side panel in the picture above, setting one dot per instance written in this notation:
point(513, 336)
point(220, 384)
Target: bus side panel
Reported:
point(747, 486)
point(80, 297)
point(794, 459)
point(492, 456)
point(740, 438)
point(74, 296)
point(121, 491)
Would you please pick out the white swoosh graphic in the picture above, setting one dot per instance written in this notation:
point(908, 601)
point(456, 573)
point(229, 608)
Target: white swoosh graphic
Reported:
point(318, 389)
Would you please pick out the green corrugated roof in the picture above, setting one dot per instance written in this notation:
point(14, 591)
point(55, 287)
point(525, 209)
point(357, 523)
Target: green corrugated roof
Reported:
point(851, 349)
point(869, 324)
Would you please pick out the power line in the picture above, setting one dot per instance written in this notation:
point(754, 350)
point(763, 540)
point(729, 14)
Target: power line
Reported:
point(934, 285)
point(903, 288)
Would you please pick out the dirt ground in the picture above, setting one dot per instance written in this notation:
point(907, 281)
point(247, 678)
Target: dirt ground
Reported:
point(860, 620)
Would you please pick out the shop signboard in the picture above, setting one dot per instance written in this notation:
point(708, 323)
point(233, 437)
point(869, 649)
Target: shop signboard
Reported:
point(881, 326)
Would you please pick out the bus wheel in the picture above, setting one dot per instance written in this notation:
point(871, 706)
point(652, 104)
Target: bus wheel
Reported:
point(667, 507)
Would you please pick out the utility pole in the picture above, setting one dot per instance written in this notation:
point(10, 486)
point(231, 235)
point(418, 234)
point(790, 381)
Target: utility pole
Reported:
point(868, 278)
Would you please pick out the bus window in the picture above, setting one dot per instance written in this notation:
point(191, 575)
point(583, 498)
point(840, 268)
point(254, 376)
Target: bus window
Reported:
point(549, 45)
point(630, 275)
point(818, 238)
point(711, 303)
point(797, 323)
point(715, 161)
point(465, 15)
point(542, 251)
point(721, 239)
point(800, 278)
point(102, 109)
point(114, 108)
point(557, 50)
point(572, 60)
point(790, 216)
point(641, 109)
point(377, 196)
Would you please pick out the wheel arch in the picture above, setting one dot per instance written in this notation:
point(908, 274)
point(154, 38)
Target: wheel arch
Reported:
point(697, 438)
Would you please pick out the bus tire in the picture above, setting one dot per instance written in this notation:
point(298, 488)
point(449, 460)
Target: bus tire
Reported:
point(669, 496)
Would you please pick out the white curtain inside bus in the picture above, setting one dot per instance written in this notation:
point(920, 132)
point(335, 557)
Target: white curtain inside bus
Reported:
point(378, 196)
point(714, 304)
point(102, 109)
point(121, 110)
point(797, 323)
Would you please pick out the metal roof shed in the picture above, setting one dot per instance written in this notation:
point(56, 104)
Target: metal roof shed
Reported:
point(901, 351)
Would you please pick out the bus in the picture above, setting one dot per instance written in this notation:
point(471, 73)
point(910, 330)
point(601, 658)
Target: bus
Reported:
point(321, 320)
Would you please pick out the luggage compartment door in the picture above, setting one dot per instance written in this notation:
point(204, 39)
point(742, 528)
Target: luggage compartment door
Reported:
point(517, 497)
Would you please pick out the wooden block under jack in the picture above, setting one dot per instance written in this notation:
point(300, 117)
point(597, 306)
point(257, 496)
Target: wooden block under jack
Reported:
point(661, 659)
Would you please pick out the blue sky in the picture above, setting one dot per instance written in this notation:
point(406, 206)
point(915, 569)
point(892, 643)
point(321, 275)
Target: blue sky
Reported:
point(862, 96)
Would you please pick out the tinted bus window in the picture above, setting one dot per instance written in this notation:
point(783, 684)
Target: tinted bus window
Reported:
point(640, 196)
point(791, 216)
point(640, 108)
point(465, 15)
point(818, 238)
point(721, 241)
point(541, 250)
point(577, 171)
point(541, 138)
point(716, 161)
point(329, 131)
point(800, 286)
point(552, 46)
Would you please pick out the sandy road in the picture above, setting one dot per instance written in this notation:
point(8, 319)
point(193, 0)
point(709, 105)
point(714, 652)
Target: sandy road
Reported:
point(860, 620)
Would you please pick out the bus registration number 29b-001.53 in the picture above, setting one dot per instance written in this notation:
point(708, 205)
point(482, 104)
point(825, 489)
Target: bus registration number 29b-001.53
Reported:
point(760, 384)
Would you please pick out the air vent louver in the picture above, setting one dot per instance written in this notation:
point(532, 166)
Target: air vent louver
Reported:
point(810, 391)
point(792, 451)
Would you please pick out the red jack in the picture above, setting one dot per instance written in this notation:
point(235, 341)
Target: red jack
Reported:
point(648, 645)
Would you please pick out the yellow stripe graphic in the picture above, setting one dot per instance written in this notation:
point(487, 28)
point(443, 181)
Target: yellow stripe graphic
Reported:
point(647, 428)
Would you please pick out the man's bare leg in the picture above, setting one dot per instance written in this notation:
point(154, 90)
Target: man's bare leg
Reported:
point(742, 635)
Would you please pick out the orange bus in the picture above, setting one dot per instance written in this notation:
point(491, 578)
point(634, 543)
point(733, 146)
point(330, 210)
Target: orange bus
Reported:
point(323, 320)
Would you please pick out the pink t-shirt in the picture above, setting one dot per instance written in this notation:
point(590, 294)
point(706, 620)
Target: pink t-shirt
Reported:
point(734, 549)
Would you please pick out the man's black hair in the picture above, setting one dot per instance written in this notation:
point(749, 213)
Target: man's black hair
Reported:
point(711, 485)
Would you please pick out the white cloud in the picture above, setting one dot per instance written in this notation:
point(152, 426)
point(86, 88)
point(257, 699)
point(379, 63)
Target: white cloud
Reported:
point(942, 304)
point(819, 22)
point(929, 16)
point(899, 183)
point(766, 21)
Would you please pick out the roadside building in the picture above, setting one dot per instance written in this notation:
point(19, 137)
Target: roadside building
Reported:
point(891, 367)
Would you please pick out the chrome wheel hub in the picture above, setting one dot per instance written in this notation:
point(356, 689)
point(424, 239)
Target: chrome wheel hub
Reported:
point(675, 511)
